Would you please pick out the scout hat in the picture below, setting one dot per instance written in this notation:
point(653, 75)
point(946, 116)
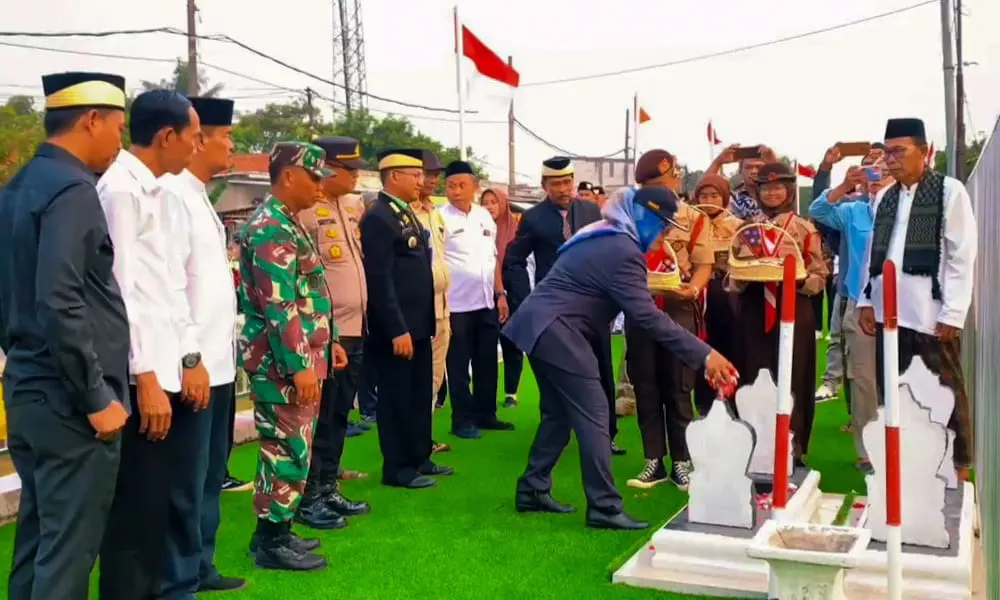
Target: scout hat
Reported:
point(342, 151)
point(557, 166)
point(399, 158)
point(213, 112)
point(431, 162)
point(83, 90)
point(299, 154)
point(774, 172)
point(653, 164)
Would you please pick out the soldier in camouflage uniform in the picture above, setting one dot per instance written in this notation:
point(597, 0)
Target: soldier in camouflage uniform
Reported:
point(283, 347)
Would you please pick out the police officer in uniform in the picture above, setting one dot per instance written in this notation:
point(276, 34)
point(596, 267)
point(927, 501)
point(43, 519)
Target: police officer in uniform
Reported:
point(65, 333)
point(401, 321)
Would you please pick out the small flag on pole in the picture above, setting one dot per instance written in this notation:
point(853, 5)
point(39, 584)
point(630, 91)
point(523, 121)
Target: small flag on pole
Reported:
point(807, 171)
point(713, 136)
point(643, 116)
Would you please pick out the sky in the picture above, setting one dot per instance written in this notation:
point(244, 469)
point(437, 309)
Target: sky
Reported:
point(798, 97)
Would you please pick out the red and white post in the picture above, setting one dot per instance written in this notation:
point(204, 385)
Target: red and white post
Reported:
point(890, 385)
point(782, 424)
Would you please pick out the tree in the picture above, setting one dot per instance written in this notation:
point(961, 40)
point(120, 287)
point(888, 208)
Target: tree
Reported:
point(178, 82)
point(21, 130)
point(258, 131)
point(972, 152)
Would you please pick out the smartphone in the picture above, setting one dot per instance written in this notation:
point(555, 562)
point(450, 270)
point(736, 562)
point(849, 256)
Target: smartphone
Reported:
point(745, 153)
point(873, 173)
point(854, 148)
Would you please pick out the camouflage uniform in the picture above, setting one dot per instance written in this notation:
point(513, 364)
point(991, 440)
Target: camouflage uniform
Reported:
point(285, 299)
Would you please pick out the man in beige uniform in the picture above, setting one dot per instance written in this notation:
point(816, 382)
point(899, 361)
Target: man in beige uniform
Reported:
point(432, 222)
point(333, 226)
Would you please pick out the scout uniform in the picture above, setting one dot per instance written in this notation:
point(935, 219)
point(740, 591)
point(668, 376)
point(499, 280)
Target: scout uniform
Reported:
point(759, 303)
point(333, 224)
point(287, 330)
point(431, 220)
point(401, 302)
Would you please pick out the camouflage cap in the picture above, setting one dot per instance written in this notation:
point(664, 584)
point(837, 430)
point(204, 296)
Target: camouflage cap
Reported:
point(310, 157)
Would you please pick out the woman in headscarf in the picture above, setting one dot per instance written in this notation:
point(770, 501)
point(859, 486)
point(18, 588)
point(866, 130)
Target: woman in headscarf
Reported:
point(598, 273)
point(759, 305)
point(712, 196)
point(496, 201)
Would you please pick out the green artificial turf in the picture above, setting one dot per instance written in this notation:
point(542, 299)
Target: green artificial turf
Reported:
point(463, 539)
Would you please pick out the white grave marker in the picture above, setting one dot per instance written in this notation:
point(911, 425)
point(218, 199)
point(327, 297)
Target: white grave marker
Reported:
point(758, 407)
point(922, 449)
point(931, 394)
point(720, 492)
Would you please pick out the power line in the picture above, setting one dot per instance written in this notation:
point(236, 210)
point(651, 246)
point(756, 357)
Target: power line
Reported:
point(721, 53)
point(559, 149)
point(230, 40)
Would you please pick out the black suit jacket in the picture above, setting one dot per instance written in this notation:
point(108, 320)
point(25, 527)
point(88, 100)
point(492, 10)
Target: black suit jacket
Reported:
point(540, 232)
point(397, 259)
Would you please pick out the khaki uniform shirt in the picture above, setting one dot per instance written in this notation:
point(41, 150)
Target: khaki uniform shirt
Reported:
point(724, 227)
point(700, 252)
point(334, 228)
point(801, 235)
point(431, 220)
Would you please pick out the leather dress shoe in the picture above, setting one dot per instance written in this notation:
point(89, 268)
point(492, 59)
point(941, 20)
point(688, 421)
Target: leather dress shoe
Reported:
point(617, 450)
point(417, 483)
point(318, 515)
point(619, 520)
point(342, 506)
point(466, 432)
point(496, 425)
point(540, 502)
point(431, 469)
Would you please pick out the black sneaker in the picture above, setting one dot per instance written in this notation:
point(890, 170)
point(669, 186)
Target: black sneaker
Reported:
point(680, 475)
point(617, 450)
point(652, 475)
point(231, 484)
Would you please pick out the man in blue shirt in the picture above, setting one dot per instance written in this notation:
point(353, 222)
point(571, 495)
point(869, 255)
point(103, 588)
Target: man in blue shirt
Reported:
point(850, 213)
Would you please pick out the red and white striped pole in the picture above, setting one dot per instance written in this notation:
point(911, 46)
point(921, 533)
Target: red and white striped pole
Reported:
point(893, 481)
point(782, 424)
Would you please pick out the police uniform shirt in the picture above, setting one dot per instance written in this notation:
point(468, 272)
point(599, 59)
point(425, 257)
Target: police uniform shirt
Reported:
point(129, 196)
point(471, 255)
point(335, 228)
point(206, 299)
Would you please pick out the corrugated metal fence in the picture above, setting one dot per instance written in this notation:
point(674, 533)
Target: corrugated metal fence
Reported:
point(981, 342)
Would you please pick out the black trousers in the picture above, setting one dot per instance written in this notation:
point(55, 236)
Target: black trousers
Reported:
point(67, 483)
point(570, 402)
point(404, 415)
point(336, 403)
point(474, 337)
point(513, 364)
point(218, 445)
point(608, 383)
point(231, 435)
point(135, 540)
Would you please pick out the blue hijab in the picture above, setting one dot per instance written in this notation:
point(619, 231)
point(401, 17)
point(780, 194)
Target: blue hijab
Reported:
point(623, 215)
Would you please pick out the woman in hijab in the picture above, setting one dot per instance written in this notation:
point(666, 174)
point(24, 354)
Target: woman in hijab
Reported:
point(759, 303)
point(712, 196)
point(497, 202)
point(598, 273)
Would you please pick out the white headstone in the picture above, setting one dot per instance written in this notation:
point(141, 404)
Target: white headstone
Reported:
point(922, 449)
point(720, 492)
point(940, 400)
point(757, 404)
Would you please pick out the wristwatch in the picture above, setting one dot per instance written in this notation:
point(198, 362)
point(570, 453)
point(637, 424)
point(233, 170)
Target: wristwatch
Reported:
point(190, 361)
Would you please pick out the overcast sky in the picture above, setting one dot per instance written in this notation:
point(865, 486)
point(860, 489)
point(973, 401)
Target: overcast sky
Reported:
point(798, 96)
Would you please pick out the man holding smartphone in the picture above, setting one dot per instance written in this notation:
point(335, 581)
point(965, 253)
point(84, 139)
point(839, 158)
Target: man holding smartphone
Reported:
point(751, 159)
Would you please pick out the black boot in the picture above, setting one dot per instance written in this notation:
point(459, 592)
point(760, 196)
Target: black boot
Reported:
point(338, 503)
point(274, 549)
point(313, 510)
point(299, 544)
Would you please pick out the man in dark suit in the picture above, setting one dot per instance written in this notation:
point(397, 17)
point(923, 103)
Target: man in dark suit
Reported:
point(66, 336)
point(401, 321)
point(543, 228)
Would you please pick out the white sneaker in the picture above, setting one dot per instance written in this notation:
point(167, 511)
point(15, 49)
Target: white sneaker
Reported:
point(824, 392)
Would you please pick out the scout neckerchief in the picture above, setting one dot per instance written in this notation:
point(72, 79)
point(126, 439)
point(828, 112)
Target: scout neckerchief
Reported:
point(922, 253)
point(765, 243)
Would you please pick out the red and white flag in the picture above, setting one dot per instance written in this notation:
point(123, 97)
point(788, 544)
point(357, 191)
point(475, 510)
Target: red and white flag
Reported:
point(807, 171)
point(713, 136)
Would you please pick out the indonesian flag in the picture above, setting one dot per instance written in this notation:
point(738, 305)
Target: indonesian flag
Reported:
point(643, 116)
point(807, 171)
point(487, 62)
point(713, 136)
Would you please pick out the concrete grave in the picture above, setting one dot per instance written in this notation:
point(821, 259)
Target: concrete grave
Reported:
point(720, 492)
point(938, 398)
point(757, 405)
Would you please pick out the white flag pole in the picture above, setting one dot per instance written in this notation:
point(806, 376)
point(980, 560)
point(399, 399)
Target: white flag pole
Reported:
point(635, 138)
point(711, 143)
point(459, 53)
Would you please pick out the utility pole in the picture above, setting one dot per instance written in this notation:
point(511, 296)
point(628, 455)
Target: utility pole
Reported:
point(959, 96)
point(949, 83)
point(309, 109)
point(510, 140)
point(192, 35)
point(627, 144)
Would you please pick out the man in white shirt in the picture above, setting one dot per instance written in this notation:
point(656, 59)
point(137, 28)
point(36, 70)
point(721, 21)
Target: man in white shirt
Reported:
point(164, 129)
point(206, 312)
point(926, 226)
point(477, 303)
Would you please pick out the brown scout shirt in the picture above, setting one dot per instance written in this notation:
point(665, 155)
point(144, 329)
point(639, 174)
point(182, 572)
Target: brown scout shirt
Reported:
point(431, 220)
point(801, 233)
point(334, 228)
point(690, 254)
point(724, 227)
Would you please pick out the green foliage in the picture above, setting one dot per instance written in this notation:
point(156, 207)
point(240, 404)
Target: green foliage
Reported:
point(217, 191)
point(178, 82)
point(21, 130)
point(972, 152)
point(258, 131)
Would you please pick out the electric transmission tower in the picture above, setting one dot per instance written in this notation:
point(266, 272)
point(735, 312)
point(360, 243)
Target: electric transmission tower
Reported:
point(349, 54)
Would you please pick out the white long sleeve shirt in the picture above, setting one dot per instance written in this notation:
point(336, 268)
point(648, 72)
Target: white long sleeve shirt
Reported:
point(470, 251)
point(129, 197)
point(917, 308)
point(203, 284)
